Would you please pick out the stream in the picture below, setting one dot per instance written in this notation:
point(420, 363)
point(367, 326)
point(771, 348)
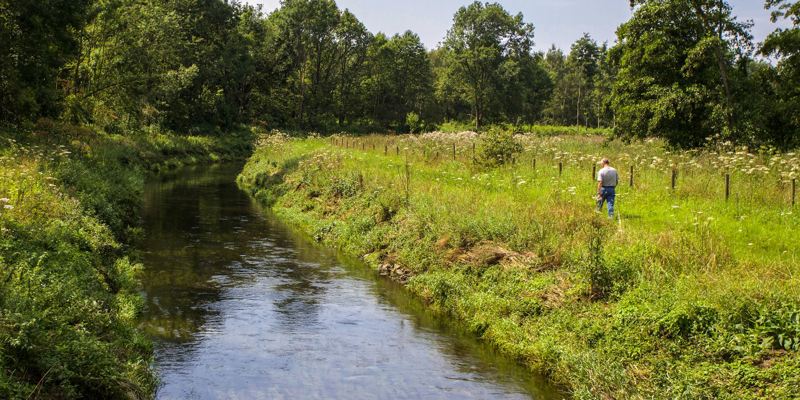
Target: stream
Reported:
point(241, 306)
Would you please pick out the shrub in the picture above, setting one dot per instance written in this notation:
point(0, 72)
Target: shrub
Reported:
point(414, 122)
point(498, 147)
point(597, 272)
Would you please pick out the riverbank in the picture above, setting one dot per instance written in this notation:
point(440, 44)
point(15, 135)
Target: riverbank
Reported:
point(69, 292)
point(663, 305)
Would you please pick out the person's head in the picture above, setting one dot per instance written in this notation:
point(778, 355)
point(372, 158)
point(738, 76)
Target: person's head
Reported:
point(604, 162)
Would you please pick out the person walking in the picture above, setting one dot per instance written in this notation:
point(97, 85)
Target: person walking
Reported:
point(607, 180)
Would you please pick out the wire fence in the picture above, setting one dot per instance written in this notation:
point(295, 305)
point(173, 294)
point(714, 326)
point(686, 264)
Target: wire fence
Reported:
point(732, 176)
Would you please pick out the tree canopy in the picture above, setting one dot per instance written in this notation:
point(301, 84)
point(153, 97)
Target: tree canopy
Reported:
point(682, 70)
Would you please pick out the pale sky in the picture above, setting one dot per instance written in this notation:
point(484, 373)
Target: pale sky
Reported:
point(558, 22)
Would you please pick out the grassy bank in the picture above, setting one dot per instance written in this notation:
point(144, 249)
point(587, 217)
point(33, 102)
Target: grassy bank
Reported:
point(686, 296)
point(69, 200)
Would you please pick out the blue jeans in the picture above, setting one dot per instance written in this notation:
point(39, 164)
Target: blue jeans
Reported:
point(607, 194)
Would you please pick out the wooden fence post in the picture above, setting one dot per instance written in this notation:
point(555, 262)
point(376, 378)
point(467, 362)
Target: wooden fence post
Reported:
point(560, 168)
point(794, 191)
point(397, 150)
point(407, 171)
point(727, 186)
point(473, 150)
point(534, 163)
point(594, 171)
point(674, 178)
point(454, 151)
point(631, 176)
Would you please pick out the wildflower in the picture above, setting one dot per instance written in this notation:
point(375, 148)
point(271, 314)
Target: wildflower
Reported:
point(8, 207)
point(5, 200)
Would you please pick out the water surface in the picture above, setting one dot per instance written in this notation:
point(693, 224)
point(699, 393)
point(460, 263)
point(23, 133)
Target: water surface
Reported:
point(242, 307)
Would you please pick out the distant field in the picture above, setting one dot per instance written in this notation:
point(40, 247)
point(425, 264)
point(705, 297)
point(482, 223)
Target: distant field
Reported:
point(686, 294)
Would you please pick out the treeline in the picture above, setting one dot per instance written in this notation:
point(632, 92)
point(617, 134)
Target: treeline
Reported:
point(683, 70)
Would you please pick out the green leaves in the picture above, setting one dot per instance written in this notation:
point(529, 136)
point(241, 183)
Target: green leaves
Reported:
point(676, 75)
point(482, 42)
point(498, 147)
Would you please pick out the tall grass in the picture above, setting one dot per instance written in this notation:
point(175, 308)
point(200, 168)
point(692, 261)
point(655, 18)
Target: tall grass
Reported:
point(686, 295)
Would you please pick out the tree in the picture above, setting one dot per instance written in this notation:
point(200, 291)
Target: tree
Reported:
point(37, 38)
point(603, 86)
point(573, 100)
point(676, 60)
point(353, 40)
point(482, 39)
point(784, 81)
point(400, 80)
point(180, 64)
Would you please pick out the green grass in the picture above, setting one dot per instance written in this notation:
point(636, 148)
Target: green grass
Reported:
point(69, 293)
point(688, 296)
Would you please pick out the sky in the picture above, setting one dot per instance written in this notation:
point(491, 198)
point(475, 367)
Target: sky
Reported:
point(558, 22)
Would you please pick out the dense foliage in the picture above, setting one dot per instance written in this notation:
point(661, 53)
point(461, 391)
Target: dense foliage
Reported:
point(686, 71)
point(69, 294)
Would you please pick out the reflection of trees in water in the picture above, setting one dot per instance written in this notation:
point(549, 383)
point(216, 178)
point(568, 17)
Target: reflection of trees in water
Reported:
point(297, 303)
point(196, 228)
point(304, 273)
point(203, 234)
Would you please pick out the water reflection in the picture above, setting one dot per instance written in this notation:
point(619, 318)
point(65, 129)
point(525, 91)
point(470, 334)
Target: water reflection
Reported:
point(242, 307)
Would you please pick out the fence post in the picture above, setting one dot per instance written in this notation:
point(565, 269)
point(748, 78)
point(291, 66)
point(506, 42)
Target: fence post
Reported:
point(473, 150)
point(408, 183)
point(454, 151)
point(534, 163)
point(674, 178)
point(594, 171)
point(631, 176)
point(727, 186)
point(560, 168)
point(794, 191)
point(397, 150)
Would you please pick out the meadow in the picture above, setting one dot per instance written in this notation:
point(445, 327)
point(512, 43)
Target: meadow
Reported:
point(69, 283)
point(688, 293)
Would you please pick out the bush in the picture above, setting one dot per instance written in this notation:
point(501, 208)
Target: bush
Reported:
point(597, 272)
point(415, 124)
point(498, 147)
